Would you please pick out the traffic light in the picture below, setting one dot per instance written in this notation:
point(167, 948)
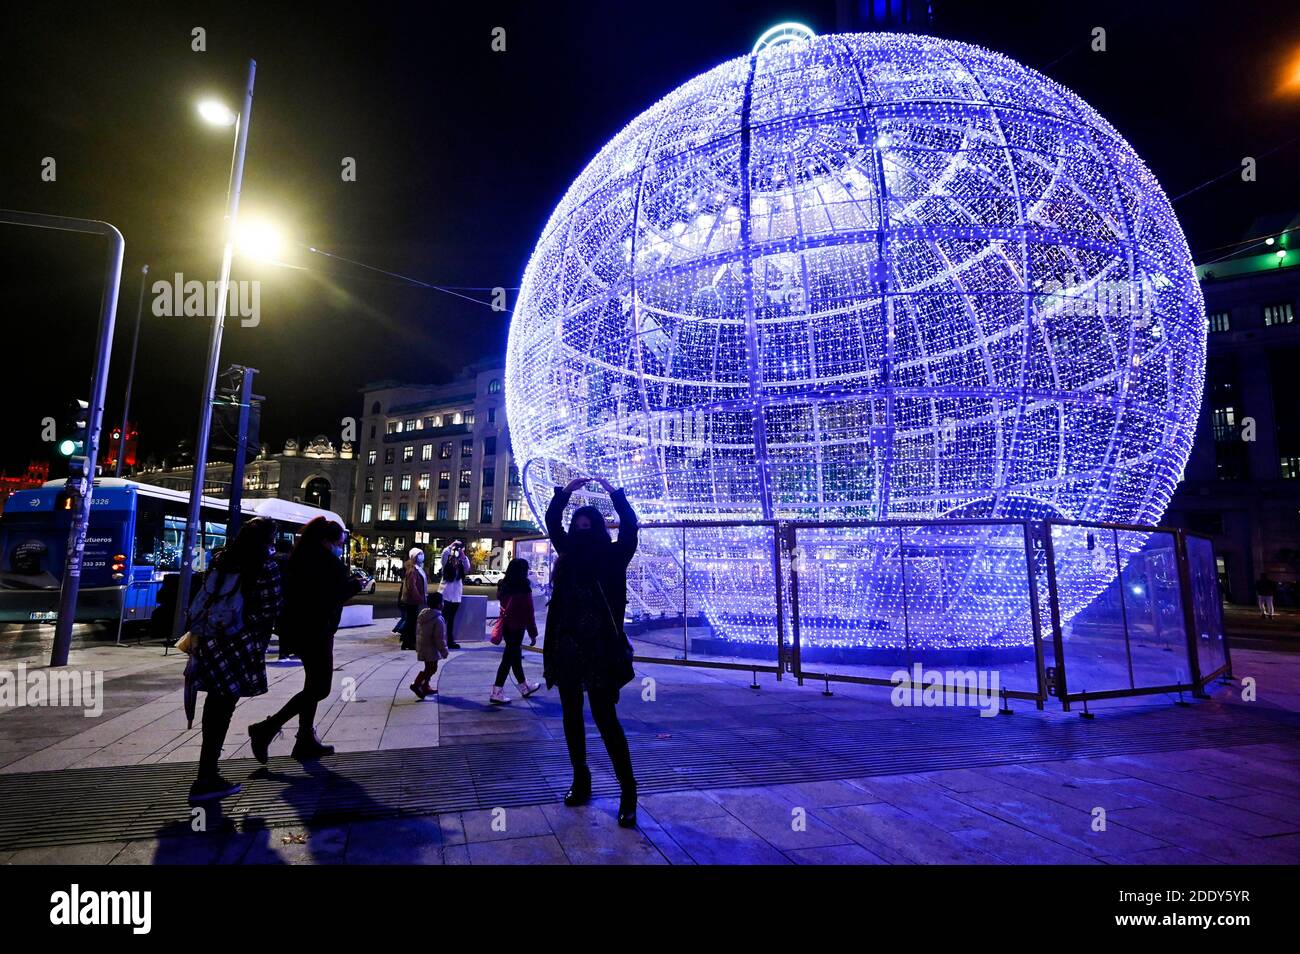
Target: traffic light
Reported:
point(73, 441)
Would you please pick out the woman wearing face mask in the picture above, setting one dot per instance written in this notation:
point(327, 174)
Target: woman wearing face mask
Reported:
point(586, 649)
point(317, 584)
point(415, 594)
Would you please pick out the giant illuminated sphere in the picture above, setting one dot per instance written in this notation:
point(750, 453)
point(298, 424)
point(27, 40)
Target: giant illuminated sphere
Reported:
point(864, 277)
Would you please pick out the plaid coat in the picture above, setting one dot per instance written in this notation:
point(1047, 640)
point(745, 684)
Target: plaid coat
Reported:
point(237, 667)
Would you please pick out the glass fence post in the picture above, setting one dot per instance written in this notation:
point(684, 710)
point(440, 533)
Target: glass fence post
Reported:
point(1035, 622)
point(780, 601)
point(1192, 631)
point(1123, 608)
point(792, 543)
point(1054, 602)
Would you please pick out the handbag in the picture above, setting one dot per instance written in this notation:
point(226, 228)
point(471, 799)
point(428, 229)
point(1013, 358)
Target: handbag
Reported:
point(498, 627)
point(621, 668)
point(186, 643)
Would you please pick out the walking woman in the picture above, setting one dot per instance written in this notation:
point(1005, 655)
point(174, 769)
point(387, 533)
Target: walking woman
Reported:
point(514, 620)
point(317, 584)
point(415, 594)
point(586, 648)
point(231, 619)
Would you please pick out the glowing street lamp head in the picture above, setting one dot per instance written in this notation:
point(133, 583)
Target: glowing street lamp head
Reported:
point(258, 239)
point(216, 113)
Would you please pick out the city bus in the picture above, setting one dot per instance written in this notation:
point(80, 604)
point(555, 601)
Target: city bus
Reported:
point(134, 540)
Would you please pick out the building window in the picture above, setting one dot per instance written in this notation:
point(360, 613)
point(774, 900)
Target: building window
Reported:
point(408, 453)
point(428, 422)
point(386, 511)
point(513, 478)
point(462, 510)
point(442, 510)
point(421, 512)
point(489, 446)
point(456, 418)
point(437, 420)
point(1282, 314)
point(392, 427)
point(469, 417)
point(492, 415)
point(466, 448)
point(371, 458)
point(370, 483)
point(367, 511)
point(494, 386)
point(406, 481)
point(411, 424)
point(426, 452)
point(444, 450)
point(403, 511)
point(388, 455)
point(444, 479)
point(489, 478)
point(388, 483)
point(1219, 321)
point(1225, 424)
point(464, 479)
point(485, 512)
point(1291, 468)
point(424, 482)
point(512, 508)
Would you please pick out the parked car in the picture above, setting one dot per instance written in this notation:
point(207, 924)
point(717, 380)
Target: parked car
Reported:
point(485, 577)
point(367, 581)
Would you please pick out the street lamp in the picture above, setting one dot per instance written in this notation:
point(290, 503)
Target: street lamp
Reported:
point(213, 112)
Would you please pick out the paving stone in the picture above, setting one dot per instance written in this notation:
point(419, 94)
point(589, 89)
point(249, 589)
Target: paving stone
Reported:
point(504, 823)
point(677, 806)
point(535, 850)
point(722, 840)
point(404, 841)
point(853, 854)
point(589, 834)
point(773, 817)
point(897, 835)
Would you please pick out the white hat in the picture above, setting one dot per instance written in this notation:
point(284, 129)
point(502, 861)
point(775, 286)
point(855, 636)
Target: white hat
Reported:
point(414, 552)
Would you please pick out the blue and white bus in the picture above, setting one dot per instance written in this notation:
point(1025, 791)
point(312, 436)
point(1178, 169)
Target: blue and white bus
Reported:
point(134, 539)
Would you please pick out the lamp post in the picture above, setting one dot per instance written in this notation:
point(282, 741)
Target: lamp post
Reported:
point(130, 374)
point(217, 114)
point(81, 479)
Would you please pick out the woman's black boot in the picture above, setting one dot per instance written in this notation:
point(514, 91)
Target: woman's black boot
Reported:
point(627, 807)
point(579, 792)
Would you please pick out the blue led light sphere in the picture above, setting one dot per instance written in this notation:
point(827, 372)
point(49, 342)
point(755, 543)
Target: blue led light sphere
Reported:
point(864, 277)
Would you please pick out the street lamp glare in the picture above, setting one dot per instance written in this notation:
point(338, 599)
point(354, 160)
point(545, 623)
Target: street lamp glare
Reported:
point(258, 239)
point(216, 113)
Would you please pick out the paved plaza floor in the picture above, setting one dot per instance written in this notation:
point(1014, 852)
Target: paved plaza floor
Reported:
point(729, 774)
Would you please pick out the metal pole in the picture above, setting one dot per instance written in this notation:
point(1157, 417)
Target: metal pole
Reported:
point(130, 374)
point(193, 541)
point(241, 448)
point(82, 483)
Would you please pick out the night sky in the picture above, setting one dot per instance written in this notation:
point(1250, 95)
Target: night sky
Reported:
point(461, 154)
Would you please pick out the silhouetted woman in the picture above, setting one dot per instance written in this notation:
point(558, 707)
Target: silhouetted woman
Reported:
point(515, 619)
point(586, 648)
point(228, 656)
point(317, 584)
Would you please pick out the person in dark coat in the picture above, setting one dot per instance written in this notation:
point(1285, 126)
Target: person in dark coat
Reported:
point(317, 584)
point(229, 663)
point(586, 649)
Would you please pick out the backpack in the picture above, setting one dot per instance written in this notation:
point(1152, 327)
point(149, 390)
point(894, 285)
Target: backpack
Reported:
point(217, 610)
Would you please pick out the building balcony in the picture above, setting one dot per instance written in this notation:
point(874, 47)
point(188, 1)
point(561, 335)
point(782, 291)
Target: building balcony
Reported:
point(426, 524)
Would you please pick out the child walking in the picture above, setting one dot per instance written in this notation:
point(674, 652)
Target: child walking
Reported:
point(430, 644)
point(516, 619)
